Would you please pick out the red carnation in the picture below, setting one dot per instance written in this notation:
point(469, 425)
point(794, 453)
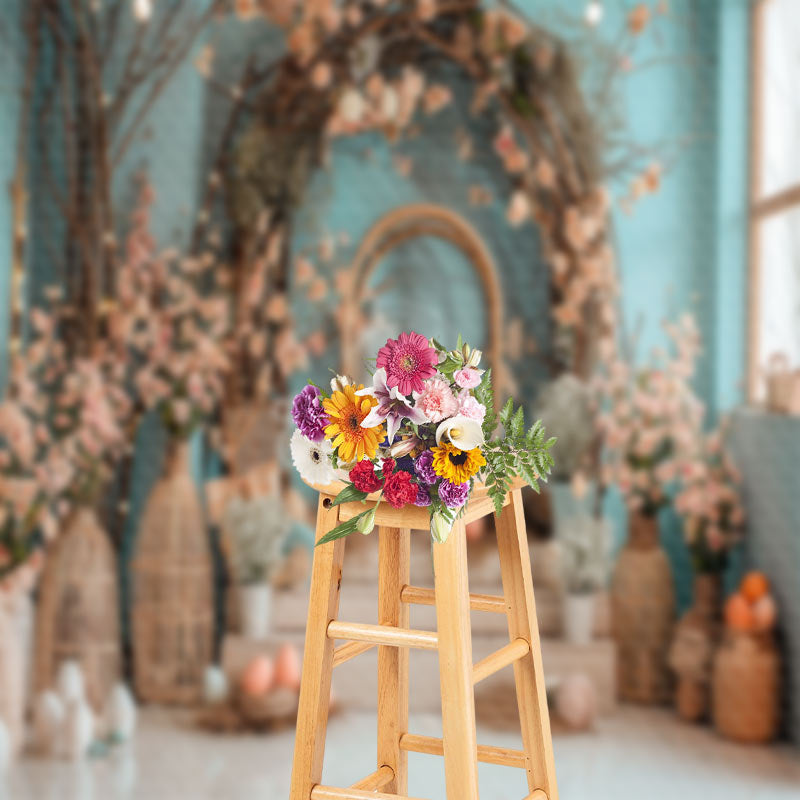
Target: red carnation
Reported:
point(400, 490)
point(388, 467)
point(364, 478)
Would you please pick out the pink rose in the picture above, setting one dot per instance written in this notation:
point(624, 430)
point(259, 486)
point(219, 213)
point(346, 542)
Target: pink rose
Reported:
point(468, 377)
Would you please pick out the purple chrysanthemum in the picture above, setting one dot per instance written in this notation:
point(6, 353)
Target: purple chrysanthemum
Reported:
point(309, 415)
point(423, 498)
point(423, 466)
point(453, 495)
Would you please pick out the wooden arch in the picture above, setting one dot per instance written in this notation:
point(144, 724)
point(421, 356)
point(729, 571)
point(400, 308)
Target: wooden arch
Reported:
point(410, 222)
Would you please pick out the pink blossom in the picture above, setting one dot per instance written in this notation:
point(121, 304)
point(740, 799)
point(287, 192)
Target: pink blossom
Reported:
point(468, 377)
point(468, 406)
point(436, 400)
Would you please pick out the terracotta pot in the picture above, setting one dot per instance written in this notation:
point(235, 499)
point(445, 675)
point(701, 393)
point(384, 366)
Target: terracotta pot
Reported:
point(16, 633)
point(78, 611)
point(172, 610)
point(643, 614)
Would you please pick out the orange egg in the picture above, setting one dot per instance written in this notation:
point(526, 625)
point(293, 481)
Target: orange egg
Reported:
point(287, 667)
point(765, 612)
point(754, 586)
point(257, 677)
point(738, 613)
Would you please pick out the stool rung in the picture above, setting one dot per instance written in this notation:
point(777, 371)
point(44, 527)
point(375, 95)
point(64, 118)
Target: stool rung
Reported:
point(332, 793)
point(345, 652)
point(414, 743)
point(477, 602)
point(376, 781)
point(383, 634)
point(512, 652)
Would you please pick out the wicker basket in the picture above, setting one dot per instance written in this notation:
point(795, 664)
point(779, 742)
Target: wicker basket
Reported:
point(78, 612)
point(691, 654)
point(172, 611)
point(745, 688)
point(643, 608)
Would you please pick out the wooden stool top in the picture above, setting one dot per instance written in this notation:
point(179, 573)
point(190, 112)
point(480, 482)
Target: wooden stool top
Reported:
point(414, 517)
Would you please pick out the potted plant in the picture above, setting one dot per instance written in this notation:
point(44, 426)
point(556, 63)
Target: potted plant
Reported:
point(256, 529)
point(713, 518)
point(651, 428)
point(584, 560)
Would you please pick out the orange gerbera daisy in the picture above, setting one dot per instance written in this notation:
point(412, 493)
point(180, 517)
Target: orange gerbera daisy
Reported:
point(346, 412)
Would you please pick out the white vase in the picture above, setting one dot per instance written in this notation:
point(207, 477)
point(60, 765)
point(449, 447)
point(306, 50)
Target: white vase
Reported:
point(16, 639)
point(579, 618)
point(255, 604)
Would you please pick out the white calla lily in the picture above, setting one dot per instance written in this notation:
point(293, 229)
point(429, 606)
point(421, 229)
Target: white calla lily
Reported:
point(463, 432)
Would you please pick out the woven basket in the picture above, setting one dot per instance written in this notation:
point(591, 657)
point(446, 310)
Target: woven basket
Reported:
point(745, 688)
point(643, 609)
point(172, 612)
point(78, 612)
point(692, 650)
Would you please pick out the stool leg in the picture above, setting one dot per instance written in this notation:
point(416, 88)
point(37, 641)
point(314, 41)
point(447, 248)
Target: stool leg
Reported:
point(315, 688)
point(512, 543)
point(455, 666)
point(393, 574)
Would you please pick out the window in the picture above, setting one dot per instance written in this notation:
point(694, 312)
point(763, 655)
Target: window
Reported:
point(774, 189)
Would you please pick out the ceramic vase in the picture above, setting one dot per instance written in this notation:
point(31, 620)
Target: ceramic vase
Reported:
point(643, 614)
point(255, 609)
point(578, 617)
point(172, 608)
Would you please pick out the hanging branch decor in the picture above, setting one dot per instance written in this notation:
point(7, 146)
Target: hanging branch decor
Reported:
point(353, 68)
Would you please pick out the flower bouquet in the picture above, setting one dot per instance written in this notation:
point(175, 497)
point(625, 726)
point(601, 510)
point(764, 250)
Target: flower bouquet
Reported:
point(422, 434)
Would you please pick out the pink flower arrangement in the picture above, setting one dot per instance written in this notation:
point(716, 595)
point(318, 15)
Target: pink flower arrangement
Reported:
point(436, 400)
point(710, 505)
point(652, 426)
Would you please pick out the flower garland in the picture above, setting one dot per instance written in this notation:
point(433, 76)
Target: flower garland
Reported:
point(421, 435)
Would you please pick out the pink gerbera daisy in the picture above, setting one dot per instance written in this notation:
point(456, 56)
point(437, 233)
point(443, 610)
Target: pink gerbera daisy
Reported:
point(408, 361)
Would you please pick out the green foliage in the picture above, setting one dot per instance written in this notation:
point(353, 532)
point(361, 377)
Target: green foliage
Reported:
point(348, 495)
point(518, 452)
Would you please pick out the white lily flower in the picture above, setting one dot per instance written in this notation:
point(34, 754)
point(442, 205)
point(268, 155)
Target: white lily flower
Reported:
point(463, 432)
point(440, 528)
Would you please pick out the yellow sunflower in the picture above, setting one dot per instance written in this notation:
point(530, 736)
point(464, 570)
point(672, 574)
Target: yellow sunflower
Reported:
point(346, 412)
point(457, 466)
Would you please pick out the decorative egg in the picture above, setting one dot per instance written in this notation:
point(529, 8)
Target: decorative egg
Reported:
point(78, 730)
point(475, 530)
point(5, 747)
point(576, 701)
point(69, 682)
point(738, 613)
point(257, 676)
point(287, 667)
point(754, 586)
point(120, 713)
point(765, 612)
point(215, 684)
point(48, 717)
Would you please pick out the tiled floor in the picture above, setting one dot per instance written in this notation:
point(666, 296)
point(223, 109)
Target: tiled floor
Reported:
point(635, 755)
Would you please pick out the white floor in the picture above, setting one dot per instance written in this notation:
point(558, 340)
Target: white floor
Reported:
point(636, 755)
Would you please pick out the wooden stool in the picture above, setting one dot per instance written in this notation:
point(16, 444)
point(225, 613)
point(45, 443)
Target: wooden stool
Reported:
point(453, 640)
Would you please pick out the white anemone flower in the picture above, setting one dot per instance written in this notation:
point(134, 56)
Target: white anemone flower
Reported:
point(463, 432)
point(312, 459)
